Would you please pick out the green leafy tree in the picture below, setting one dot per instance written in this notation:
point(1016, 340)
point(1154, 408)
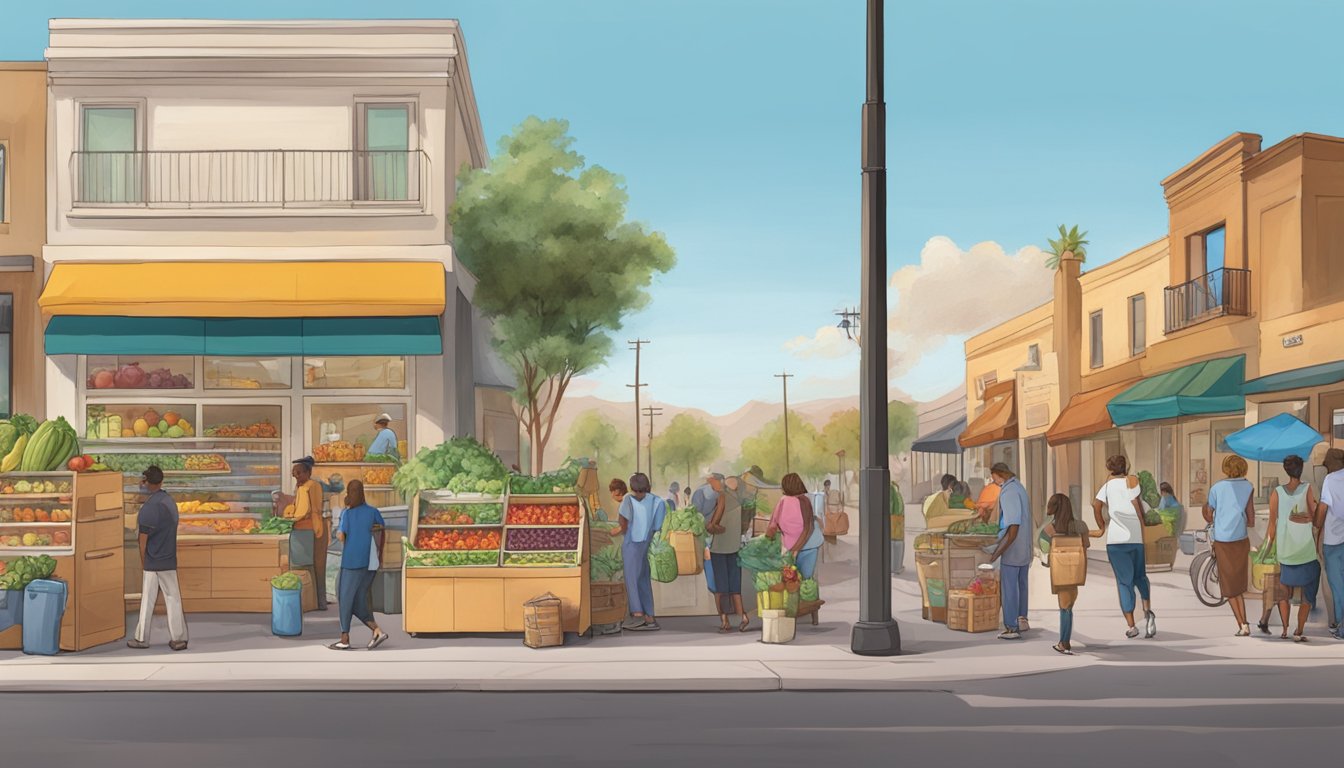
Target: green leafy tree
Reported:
point(1071, 244)
point(841, 433)
point(687, 443)
point(558, 265)
point(592, 436)
point(807, 451)
point(902, 424)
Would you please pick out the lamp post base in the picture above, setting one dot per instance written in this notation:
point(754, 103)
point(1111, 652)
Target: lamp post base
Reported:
point(876, 639)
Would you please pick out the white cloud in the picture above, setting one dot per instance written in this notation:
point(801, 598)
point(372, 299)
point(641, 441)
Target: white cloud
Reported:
point(828, 343)
point(953, 292)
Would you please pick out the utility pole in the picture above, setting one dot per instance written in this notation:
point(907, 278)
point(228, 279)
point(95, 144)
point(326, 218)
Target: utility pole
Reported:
point(876, 633)
point(650, 411)
point(785, 376)
point(637, 345)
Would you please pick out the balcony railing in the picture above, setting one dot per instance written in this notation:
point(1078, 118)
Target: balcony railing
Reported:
point(279, 178)
point(1221, 292)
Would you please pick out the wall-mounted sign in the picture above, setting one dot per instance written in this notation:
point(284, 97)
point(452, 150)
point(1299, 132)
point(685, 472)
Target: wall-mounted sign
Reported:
point(1292, 341)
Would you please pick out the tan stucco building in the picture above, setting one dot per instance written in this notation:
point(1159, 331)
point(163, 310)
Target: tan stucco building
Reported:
point(1237, 314)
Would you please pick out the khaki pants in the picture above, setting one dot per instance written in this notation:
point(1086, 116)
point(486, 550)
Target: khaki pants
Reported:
point(154, 582)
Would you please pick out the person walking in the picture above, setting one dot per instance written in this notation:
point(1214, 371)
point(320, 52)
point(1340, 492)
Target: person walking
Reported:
point(1231, 511)
point(1123, 524)
point(1013, 549)
point(725, 531)
point(673, 495)
point(157, 525)
point(308, 517)
point(1331, 512)
point(641, 518)
point(1062, 524)
point(705, 499)
point(1293, 528)
point(362, 535)
point(795, 518)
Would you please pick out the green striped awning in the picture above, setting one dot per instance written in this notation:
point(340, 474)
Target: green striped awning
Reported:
point(1213, 386)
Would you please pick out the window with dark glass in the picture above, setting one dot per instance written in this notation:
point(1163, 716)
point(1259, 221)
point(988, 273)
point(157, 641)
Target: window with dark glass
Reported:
point(1138, 324)
point(1094, 324)
point(6, 354)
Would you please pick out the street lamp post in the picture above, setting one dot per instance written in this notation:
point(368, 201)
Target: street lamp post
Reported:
point(876, 633)
point(840, 454)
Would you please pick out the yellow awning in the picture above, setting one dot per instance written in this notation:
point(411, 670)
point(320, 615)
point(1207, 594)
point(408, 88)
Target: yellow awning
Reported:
point(246, 289)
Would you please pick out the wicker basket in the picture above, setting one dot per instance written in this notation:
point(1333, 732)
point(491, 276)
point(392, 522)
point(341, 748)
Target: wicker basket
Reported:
point(969, 612)
point(609, 602)
point(542, 627)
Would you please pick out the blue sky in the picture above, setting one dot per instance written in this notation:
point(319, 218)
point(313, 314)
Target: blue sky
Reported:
point(735, 124)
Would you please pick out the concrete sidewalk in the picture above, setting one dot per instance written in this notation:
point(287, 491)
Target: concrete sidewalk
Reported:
point(237, 652)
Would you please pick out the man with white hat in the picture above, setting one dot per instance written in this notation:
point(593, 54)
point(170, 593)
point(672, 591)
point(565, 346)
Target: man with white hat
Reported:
point(385, 440)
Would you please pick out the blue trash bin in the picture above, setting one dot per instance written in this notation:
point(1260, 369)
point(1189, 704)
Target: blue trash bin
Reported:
point(43, 608)
point(286, 612)
point(11, 608)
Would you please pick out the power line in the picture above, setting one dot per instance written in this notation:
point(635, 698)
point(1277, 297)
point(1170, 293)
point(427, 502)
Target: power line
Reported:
point(784, 377)
point(637, 345)
point(650, 411)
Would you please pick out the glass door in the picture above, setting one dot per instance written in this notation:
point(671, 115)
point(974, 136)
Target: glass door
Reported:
point(109, 163)
point(384, 153)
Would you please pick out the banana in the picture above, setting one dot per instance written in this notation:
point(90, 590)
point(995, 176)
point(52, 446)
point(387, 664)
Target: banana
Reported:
point(11, 460)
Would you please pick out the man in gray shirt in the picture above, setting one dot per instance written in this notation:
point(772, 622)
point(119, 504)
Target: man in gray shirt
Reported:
point(726, 583)
point(157, 523)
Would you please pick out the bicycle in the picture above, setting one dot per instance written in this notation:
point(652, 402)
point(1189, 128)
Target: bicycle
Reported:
point(1204, 571)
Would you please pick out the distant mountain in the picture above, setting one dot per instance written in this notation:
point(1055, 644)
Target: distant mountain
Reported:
point(733, 427)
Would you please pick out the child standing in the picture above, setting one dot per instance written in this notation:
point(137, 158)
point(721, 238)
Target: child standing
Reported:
point(1062, 523)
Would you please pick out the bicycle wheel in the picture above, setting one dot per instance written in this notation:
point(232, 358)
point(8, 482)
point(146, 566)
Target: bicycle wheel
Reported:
point(1204, 578)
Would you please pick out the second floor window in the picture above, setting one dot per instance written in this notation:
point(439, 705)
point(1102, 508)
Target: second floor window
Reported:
point(1094, 341)
point(109, 166)
point(1138, 324)
point(384, 151)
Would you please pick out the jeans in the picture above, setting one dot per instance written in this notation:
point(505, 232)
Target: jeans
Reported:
point(1014, 582)
point(807, 562)
point(353, 590)
point(638, 581)
point(1065, 625)
point(1130, 573)
point(1334, 574)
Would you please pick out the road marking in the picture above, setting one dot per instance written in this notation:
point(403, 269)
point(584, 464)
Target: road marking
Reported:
point(980, 701)
point(1061, 730)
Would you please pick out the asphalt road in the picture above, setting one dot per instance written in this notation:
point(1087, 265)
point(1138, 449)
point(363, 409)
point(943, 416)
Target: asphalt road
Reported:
point(1115, 716)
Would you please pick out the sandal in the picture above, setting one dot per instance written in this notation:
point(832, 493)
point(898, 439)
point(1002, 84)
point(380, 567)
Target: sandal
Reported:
point(1132, 632)
point(339, 646)
point(1264, 627)
point(1244, 631)
point(377, 640)
point(1061, 649)
point(1299, 638)
point(746, 624)
point(1284, 636)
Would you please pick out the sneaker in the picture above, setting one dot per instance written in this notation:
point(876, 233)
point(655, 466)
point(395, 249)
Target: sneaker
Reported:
point(178, 645)
point(1010, 634)
point(1150, 628)
point(1022, 625)
point(136, 644)
point(1132, 632)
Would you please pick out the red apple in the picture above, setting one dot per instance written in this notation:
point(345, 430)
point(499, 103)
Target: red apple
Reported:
point(75, 465)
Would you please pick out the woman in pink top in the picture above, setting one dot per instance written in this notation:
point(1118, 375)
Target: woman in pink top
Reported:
point(795, 518)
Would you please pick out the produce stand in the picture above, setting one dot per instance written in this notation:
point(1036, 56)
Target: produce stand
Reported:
point(81, 529)
point(483, 585)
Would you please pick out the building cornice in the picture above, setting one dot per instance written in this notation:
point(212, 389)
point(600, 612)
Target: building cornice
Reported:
point(1226, 159)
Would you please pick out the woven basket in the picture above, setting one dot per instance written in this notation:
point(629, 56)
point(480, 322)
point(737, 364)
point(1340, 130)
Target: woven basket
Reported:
point(542, 627)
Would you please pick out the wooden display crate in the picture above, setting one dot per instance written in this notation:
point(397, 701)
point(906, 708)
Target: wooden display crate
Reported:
point(609, 602)
point(1159, 548)
point(969, 612)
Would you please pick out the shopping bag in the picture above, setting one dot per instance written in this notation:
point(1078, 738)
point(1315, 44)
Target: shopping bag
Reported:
point(662, 561)
point(1068, 562)
point(689, 552)
point(837, 523)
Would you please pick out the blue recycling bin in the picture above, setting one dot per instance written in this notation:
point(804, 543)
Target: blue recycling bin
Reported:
point(11, 608)
point(286, 612)
point(43, 608)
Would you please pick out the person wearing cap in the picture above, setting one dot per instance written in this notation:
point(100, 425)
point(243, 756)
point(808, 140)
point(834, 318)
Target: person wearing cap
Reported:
point(705, 499)
point(1331, 511)
point(384, 440)
point(308, 517)
point(1014, 549)
point(157, 523)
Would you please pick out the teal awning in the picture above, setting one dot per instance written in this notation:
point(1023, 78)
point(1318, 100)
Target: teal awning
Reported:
point(1213, 386)
point(1298, 378)
point(243, 337)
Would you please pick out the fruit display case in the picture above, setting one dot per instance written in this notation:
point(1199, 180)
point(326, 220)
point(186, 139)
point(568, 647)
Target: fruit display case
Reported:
point(78, 517)
point(461, 589)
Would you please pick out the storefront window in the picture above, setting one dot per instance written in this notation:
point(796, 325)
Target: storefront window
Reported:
point(1199, 469)
point(247, 372)
point(140, 372)
point(344, 432)
point(140, 421)
point(256, 422)
point(354, 373)
point(1294, 408)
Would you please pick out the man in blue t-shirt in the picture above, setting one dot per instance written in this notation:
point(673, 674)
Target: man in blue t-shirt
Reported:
point(157, 524)
point(1014, 548)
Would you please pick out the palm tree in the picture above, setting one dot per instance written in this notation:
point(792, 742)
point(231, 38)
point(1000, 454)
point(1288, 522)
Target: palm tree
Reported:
point(1070, 245)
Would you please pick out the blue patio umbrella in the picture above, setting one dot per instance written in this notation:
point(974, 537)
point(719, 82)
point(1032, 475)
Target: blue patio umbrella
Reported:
point(1275, 439)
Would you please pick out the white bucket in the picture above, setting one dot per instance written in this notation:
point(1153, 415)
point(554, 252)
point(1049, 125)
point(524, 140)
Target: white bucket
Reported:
point(776, 627)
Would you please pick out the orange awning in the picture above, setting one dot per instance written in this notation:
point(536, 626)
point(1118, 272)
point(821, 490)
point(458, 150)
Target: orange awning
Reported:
point(1085, 415)
point(998, 421)
point(254, 289)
